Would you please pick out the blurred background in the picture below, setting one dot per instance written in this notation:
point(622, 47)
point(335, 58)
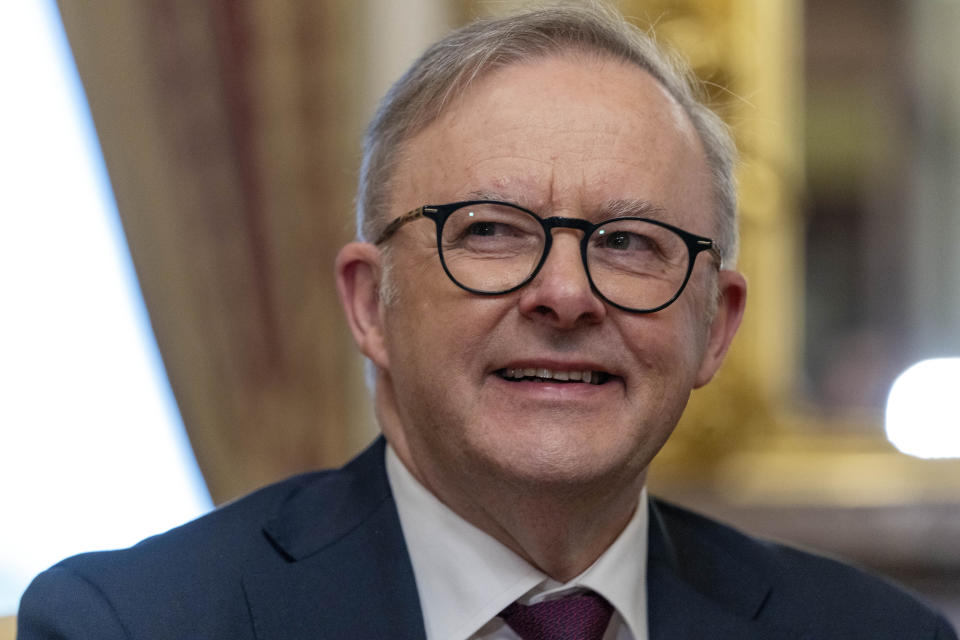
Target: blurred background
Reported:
point(177, 176)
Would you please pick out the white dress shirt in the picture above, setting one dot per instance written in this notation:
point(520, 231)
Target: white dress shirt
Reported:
point(465, 577)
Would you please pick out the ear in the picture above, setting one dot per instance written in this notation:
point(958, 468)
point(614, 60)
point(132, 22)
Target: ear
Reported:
point(732, 292)
point(358, 270)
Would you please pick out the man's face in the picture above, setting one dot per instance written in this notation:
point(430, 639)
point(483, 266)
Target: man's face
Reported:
point(563, 136)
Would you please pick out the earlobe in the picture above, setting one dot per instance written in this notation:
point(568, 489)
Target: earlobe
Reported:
point(358, 273)
point(732, 291)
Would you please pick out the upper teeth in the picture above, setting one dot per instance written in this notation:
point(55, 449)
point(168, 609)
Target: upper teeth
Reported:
point(585, 376)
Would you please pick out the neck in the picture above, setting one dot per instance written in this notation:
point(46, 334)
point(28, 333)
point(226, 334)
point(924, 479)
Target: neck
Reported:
point(561, 531)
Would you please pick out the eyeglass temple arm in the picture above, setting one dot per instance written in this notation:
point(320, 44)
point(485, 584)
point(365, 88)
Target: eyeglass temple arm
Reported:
point(711, 246)
point(396, 223)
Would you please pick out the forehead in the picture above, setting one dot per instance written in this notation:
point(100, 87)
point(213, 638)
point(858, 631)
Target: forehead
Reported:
point(562, 135)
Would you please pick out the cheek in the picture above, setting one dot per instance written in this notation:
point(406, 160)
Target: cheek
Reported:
point(703, 310)
point(435, 330)
point(672, 344)
point(691, 342)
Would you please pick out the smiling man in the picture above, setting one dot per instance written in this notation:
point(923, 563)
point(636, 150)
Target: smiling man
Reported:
point(534, 411)
point(544, 273)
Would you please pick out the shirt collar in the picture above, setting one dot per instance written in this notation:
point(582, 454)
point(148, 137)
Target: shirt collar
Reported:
point(465, 577)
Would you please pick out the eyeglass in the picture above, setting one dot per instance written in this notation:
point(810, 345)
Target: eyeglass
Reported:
point(489, 247)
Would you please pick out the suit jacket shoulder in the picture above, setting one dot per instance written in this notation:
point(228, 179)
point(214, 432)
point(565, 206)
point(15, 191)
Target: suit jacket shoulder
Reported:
point(275, 564)
point(178, 575)
point(768, 590)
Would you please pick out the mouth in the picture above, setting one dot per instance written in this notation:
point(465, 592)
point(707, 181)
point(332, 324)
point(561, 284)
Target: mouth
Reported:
point(531, 374)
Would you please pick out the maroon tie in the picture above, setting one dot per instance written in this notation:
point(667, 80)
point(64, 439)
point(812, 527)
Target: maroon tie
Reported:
point(579, 617)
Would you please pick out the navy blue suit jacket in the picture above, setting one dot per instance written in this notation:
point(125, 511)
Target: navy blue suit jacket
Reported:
point(322, 555)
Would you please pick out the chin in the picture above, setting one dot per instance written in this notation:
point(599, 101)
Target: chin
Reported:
point(552, 459)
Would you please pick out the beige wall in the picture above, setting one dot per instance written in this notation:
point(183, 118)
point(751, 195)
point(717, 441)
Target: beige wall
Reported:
point(8, 628)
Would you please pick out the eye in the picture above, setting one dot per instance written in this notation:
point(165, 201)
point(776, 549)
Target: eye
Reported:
point(491, 228)
point(624, 241)
point(488, 228)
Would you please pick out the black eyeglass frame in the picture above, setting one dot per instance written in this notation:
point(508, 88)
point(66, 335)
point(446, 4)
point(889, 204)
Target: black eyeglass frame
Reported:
point(439, 213)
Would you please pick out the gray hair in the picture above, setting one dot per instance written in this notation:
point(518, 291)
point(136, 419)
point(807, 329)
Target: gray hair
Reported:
point(448, 67)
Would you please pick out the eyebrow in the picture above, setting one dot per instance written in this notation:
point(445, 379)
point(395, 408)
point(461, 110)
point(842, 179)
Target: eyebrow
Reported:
point(620, 208)
point(480, 194)
point(631, 207)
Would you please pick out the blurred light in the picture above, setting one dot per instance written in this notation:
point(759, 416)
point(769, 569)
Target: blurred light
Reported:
point(92, 451)
point(923, 412)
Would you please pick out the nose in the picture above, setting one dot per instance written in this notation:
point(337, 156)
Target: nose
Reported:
point(560, 294)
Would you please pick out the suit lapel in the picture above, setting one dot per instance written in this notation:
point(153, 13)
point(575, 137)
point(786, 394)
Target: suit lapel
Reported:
point(696, 589)
point(341, 567)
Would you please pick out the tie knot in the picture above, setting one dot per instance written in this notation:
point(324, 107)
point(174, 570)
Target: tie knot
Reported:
point(578, 617)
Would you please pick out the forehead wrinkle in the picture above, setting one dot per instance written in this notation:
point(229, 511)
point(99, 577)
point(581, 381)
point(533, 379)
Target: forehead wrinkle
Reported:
point(526, 191)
